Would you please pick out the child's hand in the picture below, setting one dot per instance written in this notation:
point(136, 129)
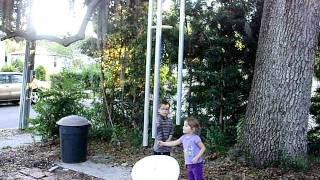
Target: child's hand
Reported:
point(160, 143)
point(195, 160)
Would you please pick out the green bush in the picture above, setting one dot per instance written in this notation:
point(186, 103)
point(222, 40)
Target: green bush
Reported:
point(99, 129)
point(135, 138)
point(118, 135)
point(102, 133)
point(8, 68)
point(314, 133)
point(314, 141)
point(216, 140)
point(40, 73)
point(66, 75)
point(90, 75)
point(18, 64)
point(62, 99)
point(123, 136)
point(299, 163)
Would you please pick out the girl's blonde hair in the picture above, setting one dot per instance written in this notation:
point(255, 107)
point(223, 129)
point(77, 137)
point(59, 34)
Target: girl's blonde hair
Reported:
point(193, 123)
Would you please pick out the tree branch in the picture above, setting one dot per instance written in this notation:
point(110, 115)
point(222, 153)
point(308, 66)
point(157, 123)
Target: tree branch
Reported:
point(65, 41)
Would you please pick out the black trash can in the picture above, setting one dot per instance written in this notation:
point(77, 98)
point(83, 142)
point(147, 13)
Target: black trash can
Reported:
point(73, 132)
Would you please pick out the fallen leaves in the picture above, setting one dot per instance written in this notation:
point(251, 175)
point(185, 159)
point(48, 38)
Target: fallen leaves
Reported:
point(41, 157)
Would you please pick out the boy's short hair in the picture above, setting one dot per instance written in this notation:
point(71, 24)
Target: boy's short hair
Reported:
point(193, 123)
point(164, 102)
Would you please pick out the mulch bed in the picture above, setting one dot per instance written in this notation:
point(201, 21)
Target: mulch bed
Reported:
point(42, 156)
point(214, 167)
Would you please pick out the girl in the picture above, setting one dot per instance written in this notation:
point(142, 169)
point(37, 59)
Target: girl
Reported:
point(193, 148)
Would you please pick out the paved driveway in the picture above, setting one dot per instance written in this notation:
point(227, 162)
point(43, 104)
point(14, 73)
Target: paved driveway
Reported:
point(9, 116)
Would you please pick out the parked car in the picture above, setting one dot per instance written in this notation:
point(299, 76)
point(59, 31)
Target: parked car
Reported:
point(10, 87)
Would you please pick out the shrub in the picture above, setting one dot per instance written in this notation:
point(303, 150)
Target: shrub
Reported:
point(18, 64)
point(299, 163)
point(216, 140)
point(314, 141)
point(40, 73)
point(62, 99)
point(8, 68)
point(135, 138)
point(90, 75)
point(314, 133)
point(99, 129)
point(118, 135)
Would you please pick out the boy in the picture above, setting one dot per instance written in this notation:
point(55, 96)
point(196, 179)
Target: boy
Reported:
point(164, 130)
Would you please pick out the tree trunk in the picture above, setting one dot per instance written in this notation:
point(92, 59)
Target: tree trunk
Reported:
point(103, 15)
point(277, 113)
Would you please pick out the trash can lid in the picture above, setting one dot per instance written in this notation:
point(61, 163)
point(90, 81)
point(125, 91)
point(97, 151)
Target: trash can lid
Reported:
point(73, 120)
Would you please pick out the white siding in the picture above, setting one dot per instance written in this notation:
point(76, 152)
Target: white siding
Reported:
point(2, 54)
point(52, 63)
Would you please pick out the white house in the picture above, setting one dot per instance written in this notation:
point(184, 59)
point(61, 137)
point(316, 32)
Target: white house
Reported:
point(51, 62)
point(2, 54)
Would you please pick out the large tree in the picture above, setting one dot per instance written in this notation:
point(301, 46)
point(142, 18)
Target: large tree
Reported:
point(16, 22)
point(276, 120)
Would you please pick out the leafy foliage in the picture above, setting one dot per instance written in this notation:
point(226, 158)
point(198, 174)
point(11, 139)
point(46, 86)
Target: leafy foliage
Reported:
point(62, 99)
point(123, 64)
point(220, 54)
point(40, 73)
point(219, 59)
point(314, 133)
point(295, 163)
point(220, 46)
point(99, 129)
point(15, 66)
point(18, 64)
point(8, 68)
point(217, 140)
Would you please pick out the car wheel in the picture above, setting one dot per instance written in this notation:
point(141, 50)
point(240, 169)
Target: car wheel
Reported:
point(34, 97)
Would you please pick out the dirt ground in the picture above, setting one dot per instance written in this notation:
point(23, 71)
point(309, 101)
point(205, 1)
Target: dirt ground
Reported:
point(37, 159)
point(214, 167)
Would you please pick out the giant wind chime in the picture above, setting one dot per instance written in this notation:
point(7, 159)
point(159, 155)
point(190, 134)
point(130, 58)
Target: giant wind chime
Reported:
point(159, 28)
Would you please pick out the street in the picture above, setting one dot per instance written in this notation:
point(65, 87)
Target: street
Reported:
point(9, 116)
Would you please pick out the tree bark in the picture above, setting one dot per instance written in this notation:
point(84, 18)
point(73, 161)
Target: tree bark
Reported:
point(103, 16)
point(277, 113)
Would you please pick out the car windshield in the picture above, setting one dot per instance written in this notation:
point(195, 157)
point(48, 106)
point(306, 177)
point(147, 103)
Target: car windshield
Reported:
point(4, 79)
point(16, 78)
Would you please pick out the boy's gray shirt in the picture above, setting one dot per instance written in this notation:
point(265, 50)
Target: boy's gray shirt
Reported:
point(164, 130)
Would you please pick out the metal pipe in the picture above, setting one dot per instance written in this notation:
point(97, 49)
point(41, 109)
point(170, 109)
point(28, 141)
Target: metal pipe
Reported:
point(163, 27)
point(157, 68)
point(23, 98)
point(180, 60)
point(147, 83)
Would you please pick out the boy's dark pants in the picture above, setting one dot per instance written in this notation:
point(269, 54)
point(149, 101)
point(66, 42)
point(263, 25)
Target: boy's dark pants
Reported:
point(195, 171)
point(161, 153)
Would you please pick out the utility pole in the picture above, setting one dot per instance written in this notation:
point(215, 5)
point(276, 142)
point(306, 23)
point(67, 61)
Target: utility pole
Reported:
point(28, 68)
